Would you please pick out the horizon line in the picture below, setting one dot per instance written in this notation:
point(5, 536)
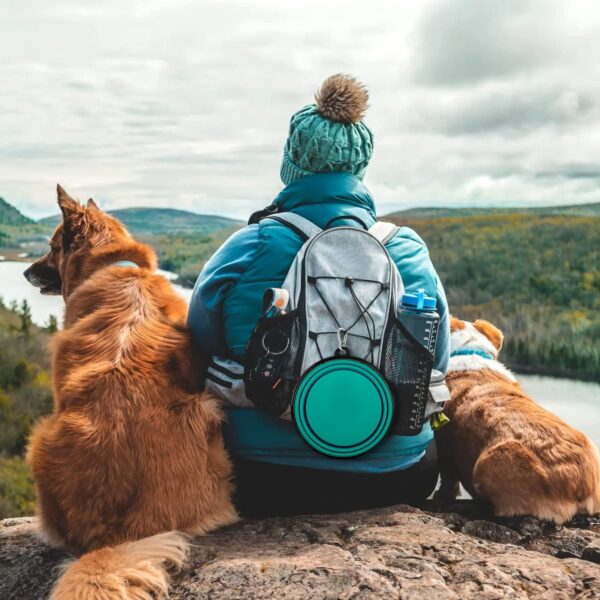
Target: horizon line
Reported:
point(434, 205)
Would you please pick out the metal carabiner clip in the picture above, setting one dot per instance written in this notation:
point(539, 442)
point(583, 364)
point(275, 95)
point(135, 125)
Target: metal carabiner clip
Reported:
point(342, 342)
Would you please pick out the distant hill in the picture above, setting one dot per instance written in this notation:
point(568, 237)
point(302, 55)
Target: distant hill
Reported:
point(9, 215)
point(533, 273)
point(163, 221)
point(17, 230)
point(434, 212)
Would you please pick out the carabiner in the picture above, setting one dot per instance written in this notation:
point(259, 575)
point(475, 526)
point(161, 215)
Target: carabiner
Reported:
point(342, 339)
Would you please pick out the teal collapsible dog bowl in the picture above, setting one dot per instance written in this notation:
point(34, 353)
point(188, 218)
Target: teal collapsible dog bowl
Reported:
point(343, 407)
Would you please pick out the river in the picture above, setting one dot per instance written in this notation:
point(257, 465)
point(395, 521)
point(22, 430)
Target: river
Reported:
point(577, 402)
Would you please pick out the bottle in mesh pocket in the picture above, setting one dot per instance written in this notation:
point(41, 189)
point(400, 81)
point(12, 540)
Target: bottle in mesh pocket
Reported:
point(408, 359)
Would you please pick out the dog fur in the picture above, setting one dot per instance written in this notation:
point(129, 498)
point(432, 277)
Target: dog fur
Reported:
point(502, 446)
point(132, 460)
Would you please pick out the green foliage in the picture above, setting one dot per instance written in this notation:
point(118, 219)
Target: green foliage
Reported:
point(186, 254)
point(52, 324)
point(25, 317)
point(25, 395)
point(536, 277)
point(14, 427)
point(16, 488)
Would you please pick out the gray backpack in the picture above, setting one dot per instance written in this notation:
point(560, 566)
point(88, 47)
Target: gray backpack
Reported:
point(348, 285)
point(337, 340)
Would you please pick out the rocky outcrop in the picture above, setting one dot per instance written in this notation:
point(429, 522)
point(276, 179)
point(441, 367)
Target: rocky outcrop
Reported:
point(398, 552)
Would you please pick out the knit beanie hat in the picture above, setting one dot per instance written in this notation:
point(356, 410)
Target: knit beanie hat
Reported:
point(329, 135)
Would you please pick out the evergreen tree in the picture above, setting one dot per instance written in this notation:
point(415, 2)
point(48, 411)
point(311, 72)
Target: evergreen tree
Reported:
point(52, 324)
point(25, 316)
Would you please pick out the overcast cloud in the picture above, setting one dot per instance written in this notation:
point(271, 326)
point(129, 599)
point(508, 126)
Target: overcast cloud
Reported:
point(186, 104)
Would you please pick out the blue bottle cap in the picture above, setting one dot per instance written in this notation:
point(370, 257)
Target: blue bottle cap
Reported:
point(420, 301)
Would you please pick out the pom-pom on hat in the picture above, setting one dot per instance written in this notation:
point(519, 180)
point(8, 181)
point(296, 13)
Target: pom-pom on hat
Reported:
point(329, 135)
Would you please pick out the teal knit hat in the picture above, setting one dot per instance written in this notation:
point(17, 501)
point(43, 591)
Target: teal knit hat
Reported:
point(329, 135)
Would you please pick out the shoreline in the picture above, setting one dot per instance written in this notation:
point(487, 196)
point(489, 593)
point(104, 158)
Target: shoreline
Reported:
point(12, 256)
point(551, 372)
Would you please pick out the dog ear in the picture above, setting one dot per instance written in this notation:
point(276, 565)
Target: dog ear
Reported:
point(92, 204)
point(68, 205)
point(491, 332)
point(72, 213)
point(77, 220)
point(456, 324)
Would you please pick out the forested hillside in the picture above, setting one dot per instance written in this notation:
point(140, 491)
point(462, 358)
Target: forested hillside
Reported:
point(25, 395)
point(9, 215)
point(17, 229)
point(536, 276)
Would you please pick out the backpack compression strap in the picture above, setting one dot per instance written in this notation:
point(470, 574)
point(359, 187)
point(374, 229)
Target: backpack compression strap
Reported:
point(303, 227)
point(383, 231)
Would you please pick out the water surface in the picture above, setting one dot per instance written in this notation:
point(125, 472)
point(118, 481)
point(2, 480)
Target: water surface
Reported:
point(13, 286)
point(576, 402)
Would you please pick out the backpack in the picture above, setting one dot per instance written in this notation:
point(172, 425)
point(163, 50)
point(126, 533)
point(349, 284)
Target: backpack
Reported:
point(332, 351)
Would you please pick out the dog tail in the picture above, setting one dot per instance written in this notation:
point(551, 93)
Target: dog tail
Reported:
point(131, 571)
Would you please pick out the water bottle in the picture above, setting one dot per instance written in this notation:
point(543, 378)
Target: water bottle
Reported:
point(417, 314)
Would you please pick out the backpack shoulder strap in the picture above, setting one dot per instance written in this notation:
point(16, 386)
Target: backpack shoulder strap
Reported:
point(383, 231)
point(303, 227)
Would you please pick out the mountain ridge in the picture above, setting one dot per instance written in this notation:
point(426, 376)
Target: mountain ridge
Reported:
point(167, 220)
point(10, 215)
point(163, 221)
point(435, 212)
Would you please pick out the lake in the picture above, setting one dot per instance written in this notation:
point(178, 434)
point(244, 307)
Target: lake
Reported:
point(577, 402)
point(13, 286)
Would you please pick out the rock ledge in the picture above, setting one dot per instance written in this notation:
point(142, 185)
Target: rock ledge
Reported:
point(398, 552)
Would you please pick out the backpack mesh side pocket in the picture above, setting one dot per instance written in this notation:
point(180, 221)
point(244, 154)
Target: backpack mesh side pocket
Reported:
point(274, 361)
point(407, 365)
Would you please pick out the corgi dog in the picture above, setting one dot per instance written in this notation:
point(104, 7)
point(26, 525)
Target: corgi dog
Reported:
point(132, 459)
point(502, 446)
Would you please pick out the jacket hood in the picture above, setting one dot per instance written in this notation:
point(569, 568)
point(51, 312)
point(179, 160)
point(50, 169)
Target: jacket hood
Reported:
point(323, 196)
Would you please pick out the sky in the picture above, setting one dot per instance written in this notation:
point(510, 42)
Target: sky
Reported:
point(187, 104)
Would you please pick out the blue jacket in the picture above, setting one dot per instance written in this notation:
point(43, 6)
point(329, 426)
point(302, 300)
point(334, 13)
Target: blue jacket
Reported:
point(227, 303)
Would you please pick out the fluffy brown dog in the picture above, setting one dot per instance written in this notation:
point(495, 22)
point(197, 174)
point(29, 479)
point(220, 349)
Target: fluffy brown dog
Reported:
point(132, 449)
point(505, 448)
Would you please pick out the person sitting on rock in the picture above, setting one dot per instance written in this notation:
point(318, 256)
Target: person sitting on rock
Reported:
point(324, 162)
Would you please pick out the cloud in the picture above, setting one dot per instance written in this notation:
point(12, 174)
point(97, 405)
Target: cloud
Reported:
point(460, 42)
point(173, 102)
point(572, 171)
point(515, 108)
